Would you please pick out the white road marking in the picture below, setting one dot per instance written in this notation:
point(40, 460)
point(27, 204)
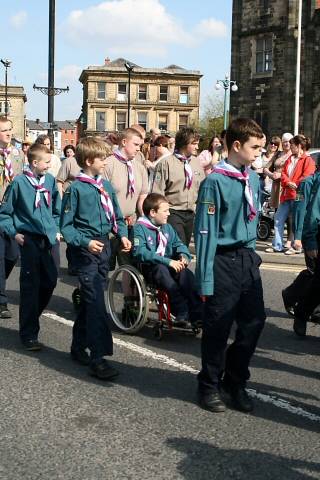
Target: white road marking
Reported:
point(145, 352)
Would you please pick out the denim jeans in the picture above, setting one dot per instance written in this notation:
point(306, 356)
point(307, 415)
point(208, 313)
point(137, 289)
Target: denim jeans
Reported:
point(283, 212)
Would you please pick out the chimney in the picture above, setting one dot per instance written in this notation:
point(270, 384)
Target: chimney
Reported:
point(107, 61)
point(38, 120)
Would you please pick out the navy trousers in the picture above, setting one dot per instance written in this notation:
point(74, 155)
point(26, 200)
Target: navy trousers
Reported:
point(91, 327)
point(38, 279)
point(238, 297)
point(180, 288)
point(9, 253)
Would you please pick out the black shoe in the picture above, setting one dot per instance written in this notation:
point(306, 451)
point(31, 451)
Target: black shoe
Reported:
point(299, 327)
point(181, 320)
point(4, 311)
point(211, 402)
point(103, 370)
point(32, 345)
point(239, 397)
point(288, 307)
point(80, 356)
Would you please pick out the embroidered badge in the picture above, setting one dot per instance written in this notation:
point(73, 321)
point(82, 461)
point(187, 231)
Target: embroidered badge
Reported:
point(150, 241)
point(157, 177)
point(211, 209)
point(136, 242)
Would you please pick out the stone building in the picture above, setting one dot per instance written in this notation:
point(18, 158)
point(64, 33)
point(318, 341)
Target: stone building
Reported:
point(264, 43)
point(165, 98)
point(16, 109)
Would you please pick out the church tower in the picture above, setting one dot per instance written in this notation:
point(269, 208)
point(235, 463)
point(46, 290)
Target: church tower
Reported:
point(263, 62)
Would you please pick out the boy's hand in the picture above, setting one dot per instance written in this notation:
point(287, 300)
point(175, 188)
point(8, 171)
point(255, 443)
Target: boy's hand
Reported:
point(177, 265)
point(126, 244)
point(184, 260)
point(95, 246)
point(19, 239)
point(58, 237)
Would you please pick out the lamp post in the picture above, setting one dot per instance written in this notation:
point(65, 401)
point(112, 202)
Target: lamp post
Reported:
point(226, 84)
point(129, 69)
point(297, 95)
point(6, 64)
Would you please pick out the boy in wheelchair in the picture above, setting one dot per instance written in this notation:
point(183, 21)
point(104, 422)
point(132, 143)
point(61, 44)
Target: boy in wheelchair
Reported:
point(165, 259)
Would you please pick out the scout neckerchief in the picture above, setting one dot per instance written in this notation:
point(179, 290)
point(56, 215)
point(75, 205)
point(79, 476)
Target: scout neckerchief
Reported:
point(105, 199)
point(8, 170)
point(161, 238)
point(225, 168)
point(131, 186)
point(38, 186)
point(187, 169)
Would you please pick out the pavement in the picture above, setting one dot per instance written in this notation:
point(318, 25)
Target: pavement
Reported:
point(57, 422)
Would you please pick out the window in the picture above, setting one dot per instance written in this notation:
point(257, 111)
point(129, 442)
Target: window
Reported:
point(163, 93)
point(3, 107)
point(261, 117)
point(264, 55)
point(142, 94)
point(163, 122)
point(142, 119)
point(122, 92)
point(121, 121)
point(100, 121)
point(184, 95)
point(183, 121)
point(101, 90)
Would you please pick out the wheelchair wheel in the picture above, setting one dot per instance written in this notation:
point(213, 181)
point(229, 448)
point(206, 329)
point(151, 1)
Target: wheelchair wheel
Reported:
point(128, 310)
point(263, 230)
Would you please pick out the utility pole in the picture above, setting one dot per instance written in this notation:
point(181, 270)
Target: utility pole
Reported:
point(297, 99)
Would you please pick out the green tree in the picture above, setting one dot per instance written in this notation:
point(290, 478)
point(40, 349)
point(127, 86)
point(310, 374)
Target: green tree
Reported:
point(211, 120)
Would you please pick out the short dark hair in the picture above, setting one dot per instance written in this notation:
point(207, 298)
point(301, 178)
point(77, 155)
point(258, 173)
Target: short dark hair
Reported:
point(184, 136)
point(41, 138)
point(161, 141)
point(242, 129)
point(305, 142)
point(153, 202)
point(68, 147)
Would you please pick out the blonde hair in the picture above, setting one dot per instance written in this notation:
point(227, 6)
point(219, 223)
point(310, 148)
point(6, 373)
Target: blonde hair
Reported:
point(129, 133)
point(35, 152)
point(4, 119)
point(90, 148)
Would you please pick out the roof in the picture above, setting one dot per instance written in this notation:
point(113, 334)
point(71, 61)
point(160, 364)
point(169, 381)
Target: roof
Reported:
point(60, 124)
point(118, 65)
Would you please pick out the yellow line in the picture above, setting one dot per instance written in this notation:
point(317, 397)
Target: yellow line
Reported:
point(280, 267)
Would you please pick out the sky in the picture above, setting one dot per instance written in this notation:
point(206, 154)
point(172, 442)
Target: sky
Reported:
point(195, 35)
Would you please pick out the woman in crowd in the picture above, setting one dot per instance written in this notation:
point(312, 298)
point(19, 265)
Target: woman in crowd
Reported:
point(68, 151)
point(298, 166)
point(207, 158)
point(161, 151)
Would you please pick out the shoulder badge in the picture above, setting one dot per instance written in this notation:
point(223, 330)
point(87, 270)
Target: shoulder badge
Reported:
point(211, 209)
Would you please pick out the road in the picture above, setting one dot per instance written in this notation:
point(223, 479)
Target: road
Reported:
point(57, 422)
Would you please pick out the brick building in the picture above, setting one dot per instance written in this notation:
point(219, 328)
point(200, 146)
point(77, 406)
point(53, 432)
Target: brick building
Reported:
point(264, 61)
point(165, 98)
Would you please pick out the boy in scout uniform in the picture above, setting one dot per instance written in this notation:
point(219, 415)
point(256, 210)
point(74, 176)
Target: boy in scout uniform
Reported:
point(178, 178)
point(29, 213)
point(90, 212)
point(227, 269)
point(165, 259)
point(310, 241)
point(11, 164)
point(129, 179)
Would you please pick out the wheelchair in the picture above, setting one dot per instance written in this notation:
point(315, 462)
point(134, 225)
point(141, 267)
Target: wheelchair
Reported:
point(141, 304)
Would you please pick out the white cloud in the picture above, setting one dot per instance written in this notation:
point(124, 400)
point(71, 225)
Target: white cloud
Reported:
point(139, 27)
point(19, 19)
point(68, 73)
point(212, 28)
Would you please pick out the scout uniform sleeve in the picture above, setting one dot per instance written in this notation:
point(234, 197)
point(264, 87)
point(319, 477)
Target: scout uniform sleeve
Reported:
point(68, 210)
point(145, 182)
point(206, 235)
point(56, 204)
point(7, 209)
point(178, 247)
point(160, 178)
point(122, 227)
point(300, 207)
point(311, 224)
point(140, 250)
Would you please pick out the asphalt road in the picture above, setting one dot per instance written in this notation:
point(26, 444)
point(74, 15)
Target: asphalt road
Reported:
point(57, 422)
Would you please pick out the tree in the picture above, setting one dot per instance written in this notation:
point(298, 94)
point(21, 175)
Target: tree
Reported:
point(211, 121)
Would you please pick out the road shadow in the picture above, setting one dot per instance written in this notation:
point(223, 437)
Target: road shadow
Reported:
point(204, 461)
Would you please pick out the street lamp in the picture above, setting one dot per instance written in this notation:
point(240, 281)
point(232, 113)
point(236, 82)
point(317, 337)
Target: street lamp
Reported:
point(129, 69)
point(226, 84)
point(6, 64)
